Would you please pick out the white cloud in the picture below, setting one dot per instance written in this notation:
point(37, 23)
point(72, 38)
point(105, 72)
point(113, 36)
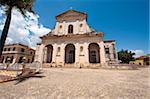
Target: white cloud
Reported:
point(24, 30)
point(138, 53)
point(2, 11)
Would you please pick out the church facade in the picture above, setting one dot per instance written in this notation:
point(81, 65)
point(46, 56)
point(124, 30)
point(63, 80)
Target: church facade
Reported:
point(73, 43)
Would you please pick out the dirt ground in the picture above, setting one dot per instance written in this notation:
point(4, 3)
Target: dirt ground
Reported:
point(61, 83)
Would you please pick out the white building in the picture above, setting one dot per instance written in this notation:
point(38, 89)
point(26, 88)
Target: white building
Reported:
point(73, 43)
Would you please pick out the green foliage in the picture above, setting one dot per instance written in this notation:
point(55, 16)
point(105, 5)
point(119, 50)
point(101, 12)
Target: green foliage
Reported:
point(26, 0)
point(125, 56)
point(22, 5)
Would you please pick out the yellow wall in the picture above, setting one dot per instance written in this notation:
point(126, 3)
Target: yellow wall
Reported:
point(137, 62)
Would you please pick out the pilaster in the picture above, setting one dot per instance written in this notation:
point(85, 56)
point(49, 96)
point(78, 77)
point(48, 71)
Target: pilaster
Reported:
point(39, 54)
point(86, 53)
point(102, 54)
point(54, 53)
point(62, 54)
point(77, 51)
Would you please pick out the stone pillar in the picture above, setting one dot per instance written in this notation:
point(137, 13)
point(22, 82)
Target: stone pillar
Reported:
point(86, 27)
point(54, 53)
point(14, 60)
point(116, 53)
point(56, 28)
point(102, 54)
point(62, 53)
point(111, 52)
point(64, 27)
point(39, 54)
point(77, 51)
point(77, 26)
point(116, 56)
point(17, 58)
point(86, 53)
point(45, 55)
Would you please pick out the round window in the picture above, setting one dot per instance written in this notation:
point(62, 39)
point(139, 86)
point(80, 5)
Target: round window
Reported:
point(81, 48)
point(60, 26)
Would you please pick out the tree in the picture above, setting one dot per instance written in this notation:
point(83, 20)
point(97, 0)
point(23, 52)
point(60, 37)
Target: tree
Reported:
point(125, 56)
point(22, 5)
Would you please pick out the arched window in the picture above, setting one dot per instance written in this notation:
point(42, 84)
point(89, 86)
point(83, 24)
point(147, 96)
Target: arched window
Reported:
point(70, 29)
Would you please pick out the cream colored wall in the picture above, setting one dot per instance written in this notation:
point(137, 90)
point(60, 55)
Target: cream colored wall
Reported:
point(137, 62)
point(81, 58)
point(39, 54)
point(111, 50)
point(76, 27)
point(102, 54)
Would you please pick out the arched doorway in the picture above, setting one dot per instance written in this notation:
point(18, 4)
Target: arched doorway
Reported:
point(49, 53)
point(94, 53)
point(70, 53)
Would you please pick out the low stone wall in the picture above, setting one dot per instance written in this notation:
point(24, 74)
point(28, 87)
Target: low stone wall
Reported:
point(54, 65)
point(122, 66)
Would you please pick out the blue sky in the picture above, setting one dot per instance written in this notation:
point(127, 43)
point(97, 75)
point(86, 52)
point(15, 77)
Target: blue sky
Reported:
point(126, 21)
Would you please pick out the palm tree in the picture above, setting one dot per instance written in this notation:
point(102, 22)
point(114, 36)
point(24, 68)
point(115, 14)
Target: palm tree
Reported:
point(22, 5)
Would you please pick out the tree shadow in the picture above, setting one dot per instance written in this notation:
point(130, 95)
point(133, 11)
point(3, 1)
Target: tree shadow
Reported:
point(21, 78)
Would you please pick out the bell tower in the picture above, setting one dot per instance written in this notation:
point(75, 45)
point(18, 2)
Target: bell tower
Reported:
point(71, 22)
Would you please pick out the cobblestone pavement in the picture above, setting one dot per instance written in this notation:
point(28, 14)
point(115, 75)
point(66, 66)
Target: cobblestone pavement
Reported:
point(8, 73)
point(81, 84)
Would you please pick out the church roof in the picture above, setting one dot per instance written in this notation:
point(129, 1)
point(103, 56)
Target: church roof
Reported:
point(70, 15)
point(109, 41)
point(49, 35)
point(70, 11)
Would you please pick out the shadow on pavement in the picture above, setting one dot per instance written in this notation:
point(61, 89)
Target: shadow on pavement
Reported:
point(23, 77)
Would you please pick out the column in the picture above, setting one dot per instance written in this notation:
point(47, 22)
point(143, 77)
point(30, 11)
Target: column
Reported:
point(116, 54)
point(86, 53)
point(39, 54)
point(14, 59)
point(17, 59)
point(77, 27)
point(111, 52)
point(77, 51)
point(45, 55)
point(62, 53)
point(64, 27)
point(56, 28)
point(102, 54)
point(54, 53)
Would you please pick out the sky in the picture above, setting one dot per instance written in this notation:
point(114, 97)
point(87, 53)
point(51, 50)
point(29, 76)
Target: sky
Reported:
point(126, 21)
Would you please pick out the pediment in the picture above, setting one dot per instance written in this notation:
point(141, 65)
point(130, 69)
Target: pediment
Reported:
point(71, 15)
